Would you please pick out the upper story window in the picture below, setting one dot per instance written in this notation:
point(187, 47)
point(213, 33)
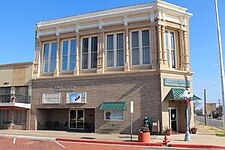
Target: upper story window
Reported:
point(68, 53)
point(89, 52)
point(115, 50)
point(171, 49)
point(140, 47)
point(49, 57)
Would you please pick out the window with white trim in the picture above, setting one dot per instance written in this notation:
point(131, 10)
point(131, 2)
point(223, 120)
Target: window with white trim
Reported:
point(68, 53)
point(113, 115)
point(89, 52)
point(140, 47)
point(49, 57)
point(115, 50)
point(170, 49)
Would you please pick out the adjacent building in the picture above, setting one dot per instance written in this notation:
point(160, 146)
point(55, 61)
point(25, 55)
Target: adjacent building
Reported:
point(89, 67)
point(15, 95)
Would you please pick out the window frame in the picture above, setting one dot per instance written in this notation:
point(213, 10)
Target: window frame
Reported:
point(123, 113)
point(49, 56)
point(68, 54)
point(140, 46)
point(89, 52)
point(169, 49)
point(115, 50)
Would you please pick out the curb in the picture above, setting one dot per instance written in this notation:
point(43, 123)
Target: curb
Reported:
point(200, 146)
point(111, 142)
point(197, 146)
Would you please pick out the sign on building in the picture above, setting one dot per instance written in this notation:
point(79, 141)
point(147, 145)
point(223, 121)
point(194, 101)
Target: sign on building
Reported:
point(176, 82)
point(50, 98)
point(76, 97)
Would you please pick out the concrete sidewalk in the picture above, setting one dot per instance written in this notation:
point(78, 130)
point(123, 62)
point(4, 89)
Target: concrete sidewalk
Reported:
point(204, 136)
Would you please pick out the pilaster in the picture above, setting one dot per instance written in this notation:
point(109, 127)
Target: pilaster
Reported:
point(57, 66)
point(153, 49)
point(159, 43)
point(181, 50)
point(186, 52)
point(101, 53)
point(77, 68)
point(164, 54)
point(127, 50)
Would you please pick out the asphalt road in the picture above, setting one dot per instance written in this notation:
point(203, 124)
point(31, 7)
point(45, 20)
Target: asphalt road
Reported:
point(210, 122)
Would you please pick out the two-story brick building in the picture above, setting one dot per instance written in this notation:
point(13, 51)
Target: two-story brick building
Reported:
point(15, 95)
point(87, 69)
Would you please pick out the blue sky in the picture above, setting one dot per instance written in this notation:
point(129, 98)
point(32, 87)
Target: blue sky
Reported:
point(18, 19)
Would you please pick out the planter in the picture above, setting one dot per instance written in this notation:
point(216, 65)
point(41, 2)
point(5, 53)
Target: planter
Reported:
point(168, 132)
point(144, 137)
point(193, 130)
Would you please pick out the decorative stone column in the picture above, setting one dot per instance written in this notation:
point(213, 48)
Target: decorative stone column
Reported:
point(57, 66)
point(77, 68)
point(164, 57)
point(127, 51)
point(100, 52)
point(181, 50)
point(159, 43)
point(153, 49)
point(186, 52)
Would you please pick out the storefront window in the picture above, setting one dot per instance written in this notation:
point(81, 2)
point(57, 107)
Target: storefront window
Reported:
point(114, 115)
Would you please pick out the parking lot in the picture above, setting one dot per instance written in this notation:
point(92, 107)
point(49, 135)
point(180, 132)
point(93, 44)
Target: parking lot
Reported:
point(38, 144)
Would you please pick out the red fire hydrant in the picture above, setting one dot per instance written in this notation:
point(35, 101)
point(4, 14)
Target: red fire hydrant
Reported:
point(166, 140)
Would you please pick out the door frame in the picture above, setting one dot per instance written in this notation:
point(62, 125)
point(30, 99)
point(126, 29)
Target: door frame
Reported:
point(170, 108)
point(76, 119)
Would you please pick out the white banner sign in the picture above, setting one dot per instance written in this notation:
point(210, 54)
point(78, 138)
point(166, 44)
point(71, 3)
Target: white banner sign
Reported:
point(48, 98)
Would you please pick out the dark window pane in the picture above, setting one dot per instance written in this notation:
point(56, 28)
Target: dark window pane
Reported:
point(145, 38)
point(120, 57)
point(146, 55)
point(173, 59)
point(85, 61)
point(94, 60)
point(120, 41)
point(135, 39)
point(135, 56)
point(110, 59)
point(109, 42)
point(85, 45)
point(94, 44)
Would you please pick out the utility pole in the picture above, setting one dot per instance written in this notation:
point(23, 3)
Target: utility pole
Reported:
point(221, 61)
point(205, 105)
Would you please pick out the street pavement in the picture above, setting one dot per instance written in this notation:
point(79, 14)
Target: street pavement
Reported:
point(204, 136)
point(215, 122)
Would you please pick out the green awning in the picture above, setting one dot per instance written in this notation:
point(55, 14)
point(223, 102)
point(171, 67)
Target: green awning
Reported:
point(175, 93)
point(113, 106)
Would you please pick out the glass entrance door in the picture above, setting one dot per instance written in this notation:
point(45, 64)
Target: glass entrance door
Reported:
point(76, 119)
point(173, 119)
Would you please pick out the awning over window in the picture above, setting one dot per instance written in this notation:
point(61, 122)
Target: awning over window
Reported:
point(113, 106)
point(175, 93)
